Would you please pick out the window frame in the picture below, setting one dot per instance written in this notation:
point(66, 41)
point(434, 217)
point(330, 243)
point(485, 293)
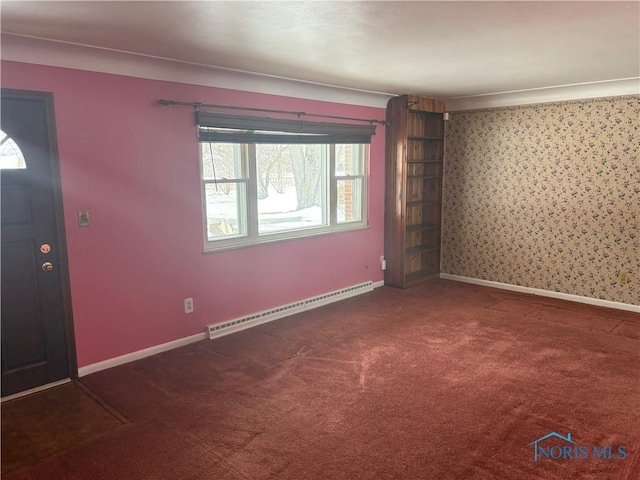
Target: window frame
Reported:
point(330, 183)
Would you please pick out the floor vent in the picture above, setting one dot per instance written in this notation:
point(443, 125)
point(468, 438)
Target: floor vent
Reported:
point(219, 329)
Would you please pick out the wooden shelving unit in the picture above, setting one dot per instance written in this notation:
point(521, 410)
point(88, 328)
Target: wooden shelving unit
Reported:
point(413, 196)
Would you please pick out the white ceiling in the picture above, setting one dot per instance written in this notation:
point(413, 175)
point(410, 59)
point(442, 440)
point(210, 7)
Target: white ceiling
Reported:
point(438, 49)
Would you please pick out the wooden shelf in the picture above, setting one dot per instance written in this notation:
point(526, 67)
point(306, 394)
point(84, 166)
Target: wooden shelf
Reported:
point(414, 170)
point(429, 177)
point(422, 203)
point(420, 138)
point(417, 277)
point(421, 228)
point(420, 249)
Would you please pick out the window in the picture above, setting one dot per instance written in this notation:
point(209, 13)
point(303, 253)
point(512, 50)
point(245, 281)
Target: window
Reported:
point(11, 157)
point(255, 193)
point(269, 186)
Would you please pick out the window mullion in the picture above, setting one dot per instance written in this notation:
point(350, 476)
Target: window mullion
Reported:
point(333, 187)
point(252, 190)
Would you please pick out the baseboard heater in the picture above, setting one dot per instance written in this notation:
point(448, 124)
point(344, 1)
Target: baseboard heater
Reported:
point(219, 329)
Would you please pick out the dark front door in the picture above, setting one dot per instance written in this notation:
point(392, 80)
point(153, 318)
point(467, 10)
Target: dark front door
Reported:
point(35, 349)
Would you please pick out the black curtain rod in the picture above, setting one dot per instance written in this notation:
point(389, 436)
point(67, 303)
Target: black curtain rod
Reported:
point(198, 105)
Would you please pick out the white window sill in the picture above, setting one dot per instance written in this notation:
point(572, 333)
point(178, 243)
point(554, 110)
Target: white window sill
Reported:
point(243, 242)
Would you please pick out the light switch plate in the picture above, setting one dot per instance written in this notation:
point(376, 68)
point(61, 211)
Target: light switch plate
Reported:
point(84, 218)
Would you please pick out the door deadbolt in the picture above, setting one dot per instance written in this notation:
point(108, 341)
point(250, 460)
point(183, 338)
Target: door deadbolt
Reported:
point(45, 248)
point(47, 266)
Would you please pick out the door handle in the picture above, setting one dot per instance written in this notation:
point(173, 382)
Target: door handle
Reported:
point(47, 267)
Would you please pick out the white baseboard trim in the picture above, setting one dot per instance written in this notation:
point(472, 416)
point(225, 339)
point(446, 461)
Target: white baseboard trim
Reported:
point(147, 352)
point(133, 356)
point(36, 390)
point(543, 293)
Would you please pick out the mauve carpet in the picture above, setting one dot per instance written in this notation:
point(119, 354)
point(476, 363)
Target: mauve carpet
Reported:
point(442, 381)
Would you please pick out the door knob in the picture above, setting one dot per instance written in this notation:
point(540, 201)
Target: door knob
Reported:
point(47, 267)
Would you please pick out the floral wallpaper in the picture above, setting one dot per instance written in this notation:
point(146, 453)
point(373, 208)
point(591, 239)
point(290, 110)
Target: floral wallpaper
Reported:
point(546, 196)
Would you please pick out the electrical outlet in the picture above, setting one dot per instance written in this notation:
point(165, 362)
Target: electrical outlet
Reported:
point(383, 263)
point(188, 305)
point(623, 278)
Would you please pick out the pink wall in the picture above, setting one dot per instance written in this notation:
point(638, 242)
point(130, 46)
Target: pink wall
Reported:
point(134, 163)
